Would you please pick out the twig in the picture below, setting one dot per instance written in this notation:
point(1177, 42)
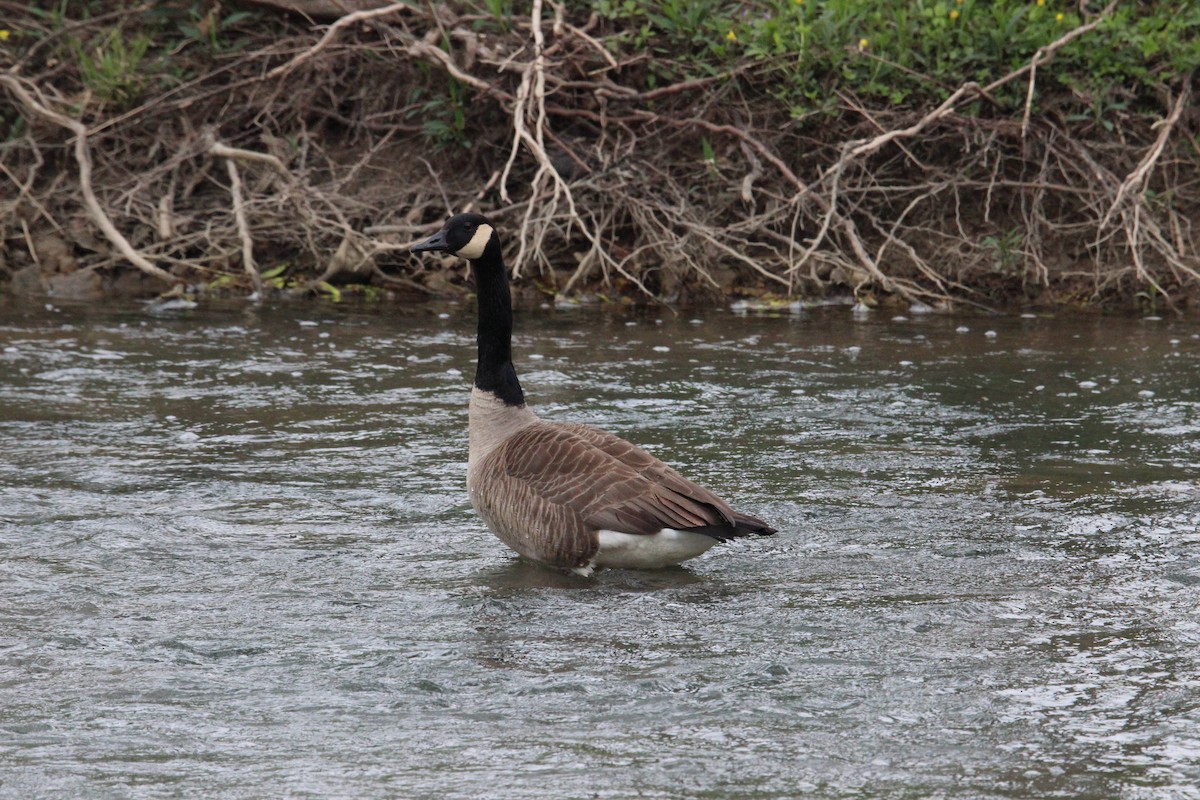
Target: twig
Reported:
point(429, 52)
point(239, 215)
point(533, 85)
point(84, 160)
point(25, 193)
point(860, 148)
point(33, 253)
point(231, 156)
point(1136, 180)
point(1043, 55)
point(225, 151)
point(331, 32)
point(596, 45)
point(756, 172)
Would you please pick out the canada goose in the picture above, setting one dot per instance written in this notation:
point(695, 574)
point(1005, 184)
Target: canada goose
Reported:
point(564, 494)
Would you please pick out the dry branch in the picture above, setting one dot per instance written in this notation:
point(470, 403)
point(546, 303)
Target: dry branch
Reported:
point(1043, 55)
point(243, 227)
point(331, 33)
point(84, 159)
point(225, 151)
point(1135, 182)
point(598, 177)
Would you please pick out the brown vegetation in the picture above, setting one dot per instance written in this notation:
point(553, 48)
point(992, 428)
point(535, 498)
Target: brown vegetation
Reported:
point(325, 148)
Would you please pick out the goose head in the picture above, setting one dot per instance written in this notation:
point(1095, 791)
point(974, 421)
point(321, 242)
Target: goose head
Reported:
point(463, 235)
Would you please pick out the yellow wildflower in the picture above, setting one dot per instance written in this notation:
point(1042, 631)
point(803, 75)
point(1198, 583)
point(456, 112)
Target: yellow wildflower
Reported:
point(731, 36)
point(862, 44)
point(4, 35)
point(954, 14)
point(1041, 2)
point(1058, 17)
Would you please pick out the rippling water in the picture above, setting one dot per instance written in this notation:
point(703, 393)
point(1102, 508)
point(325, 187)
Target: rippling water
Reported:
point(237, 560)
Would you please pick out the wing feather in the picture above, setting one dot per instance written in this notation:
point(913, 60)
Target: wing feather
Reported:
point(607, 481)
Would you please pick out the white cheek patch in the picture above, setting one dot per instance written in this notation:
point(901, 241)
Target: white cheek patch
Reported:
point(474, 248)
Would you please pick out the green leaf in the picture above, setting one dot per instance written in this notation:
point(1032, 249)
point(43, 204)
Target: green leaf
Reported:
point(335, 294)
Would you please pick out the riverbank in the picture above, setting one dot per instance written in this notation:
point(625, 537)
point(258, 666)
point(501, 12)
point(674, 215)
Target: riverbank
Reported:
point(954, 154)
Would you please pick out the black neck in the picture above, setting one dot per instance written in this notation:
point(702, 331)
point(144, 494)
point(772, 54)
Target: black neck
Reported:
point(494, 372)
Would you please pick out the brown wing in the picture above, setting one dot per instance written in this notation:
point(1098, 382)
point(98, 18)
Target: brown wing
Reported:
point(730, 523)
point(607, 481)
point(550, 486)
point(527, 522)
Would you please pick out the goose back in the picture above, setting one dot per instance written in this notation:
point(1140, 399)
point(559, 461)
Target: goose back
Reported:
point(549, 488)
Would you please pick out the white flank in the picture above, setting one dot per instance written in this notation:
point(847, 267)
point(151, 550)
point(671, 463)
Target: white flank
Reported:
point(649, 551)
point(474, 248)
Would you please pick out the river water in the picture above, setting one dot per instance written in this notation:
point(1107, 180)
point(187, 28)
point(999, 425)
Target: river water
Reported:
point(237, 560)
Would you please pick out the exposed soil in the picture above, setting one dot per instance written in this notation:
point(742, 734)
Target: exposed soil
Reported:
point(305, 159)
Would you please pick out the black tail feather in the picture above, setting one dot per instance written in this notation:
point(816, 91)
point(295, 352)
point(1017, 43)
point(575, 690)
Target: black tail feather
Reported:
point(743, 525)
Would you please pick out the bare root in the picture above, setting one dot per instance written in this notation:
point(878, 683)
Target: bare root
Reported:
point(688, 191)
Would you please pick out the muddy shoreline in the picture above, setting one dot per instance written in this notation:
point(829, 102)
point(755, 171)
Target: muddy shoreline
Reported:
point(281, 156)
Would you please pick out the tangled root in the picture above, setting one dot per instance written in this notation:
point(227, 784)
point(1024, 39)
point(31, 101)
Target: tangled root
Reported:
point(313, 157)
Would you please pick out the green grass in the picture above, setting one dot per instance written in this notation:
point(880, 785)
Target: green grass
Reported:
point(110, 65)
point(131, 50)
point(912, 51)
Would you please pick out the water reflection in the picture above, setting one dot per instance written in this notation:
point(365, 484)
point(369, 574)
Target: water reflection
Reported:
point(517, 574)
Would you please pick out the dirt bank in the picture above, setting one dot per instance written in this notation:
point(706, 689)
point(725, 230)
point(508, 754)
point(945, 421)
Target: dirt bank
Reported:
point(242, 148)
